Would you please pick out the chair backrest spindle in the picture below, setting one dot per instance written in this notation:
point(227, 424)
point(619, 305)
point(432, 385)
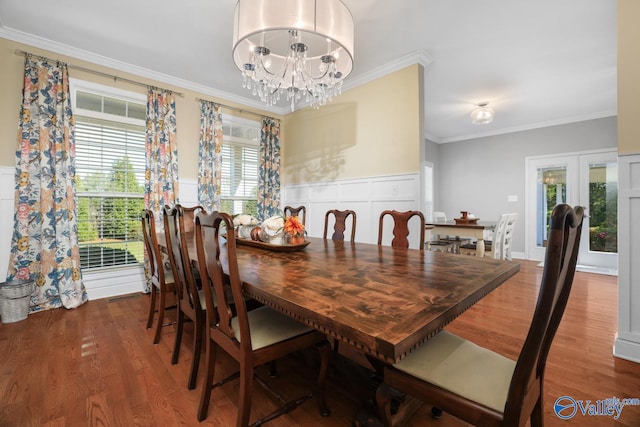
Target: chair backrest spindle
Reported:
point(175, 232)
point(340, 224)
point(401, 227)
point(208, 243)
point(502, 235)
point(151, 245)
point(300, 212)
point(559, 268)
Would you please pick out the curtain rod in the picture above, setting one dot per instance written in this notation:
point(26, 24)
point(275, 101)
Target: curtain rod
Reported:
point(239, 110)
point(99, 73)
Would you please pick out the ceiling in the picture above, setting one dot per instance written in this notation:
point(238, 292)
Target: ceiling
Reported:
point(537, 63)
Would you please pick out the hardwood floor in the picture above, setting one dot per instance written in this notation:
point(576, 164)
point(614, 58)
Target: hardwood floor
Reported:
point(96, 365)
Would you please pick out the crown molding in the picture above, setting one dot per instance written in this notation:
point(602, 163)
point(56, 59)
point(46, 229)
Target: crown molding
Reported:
point(83, 55)
point(531, 126)
point(432, 138)
point(415, 57)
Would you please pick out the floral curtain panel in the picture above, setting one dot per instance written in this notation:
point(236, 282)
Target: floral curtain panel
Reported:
point(161, 172)
point(210, 159)
point(269, 169)
point(44, 245)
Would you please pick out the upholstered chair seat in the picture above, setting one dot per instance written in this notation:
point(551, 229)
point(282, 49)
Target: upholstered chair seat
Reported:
point(269, 327)
point(463, 368)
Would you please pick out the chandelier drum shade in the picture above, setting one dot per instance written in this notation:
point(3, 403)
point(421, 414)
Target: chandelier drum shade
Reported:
point(483, 114)
point(301, 49)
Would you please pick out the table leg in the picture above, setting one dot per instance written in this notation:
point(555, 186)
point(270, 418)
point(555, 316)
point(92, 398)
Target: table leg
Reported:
point(427, 237)
point(403, 406)
point(480, 248)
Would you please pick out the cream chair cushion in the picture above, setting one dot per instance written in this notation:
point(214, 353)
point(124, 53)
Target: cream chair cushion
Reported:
point(269, 327)
point(203, 303)
point(462, 367)
point(168, 277)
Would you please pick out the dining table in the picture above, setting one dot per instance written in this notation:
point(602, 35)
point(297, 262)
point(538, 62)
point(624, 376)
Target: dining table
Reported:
point(382, 300)
point(471, 229)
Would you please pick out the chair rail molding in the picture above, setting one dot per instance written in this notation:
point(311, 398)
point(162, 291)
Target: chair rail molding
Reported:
point(368, 197)
point(627, 343)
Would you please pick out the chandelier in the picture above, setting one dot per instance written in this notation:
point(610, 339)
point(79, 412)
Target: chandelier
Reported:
point(298, 49)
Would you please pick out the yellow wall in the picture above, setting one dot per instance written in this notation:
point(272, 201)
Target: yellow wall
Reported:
point(187, 108)
point(11, 70)
point(628, 77)
point(372, 130)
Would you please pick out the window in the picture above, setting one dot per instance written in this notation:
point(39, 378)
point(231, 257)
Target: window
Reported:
point(240, 146)
point(110, 167)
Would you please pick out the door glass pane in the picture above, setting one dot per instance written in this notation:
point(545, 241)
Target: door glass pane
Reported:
point(551, 190)
point(603, 207)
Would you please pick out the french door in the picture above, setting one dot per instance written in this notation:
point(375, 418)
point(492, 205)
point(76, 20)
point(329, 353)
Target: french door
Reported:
point(589, 179)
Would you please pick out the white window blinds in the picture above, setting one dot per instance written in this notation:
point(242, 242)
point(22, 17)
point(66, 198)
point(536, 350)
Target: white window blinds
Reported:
point(240, 166)
point(110, 167)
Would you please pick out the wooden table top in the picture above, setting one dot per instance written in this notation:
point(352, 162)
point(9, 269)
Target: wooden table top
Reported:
point(385, 301)
point(488, 225)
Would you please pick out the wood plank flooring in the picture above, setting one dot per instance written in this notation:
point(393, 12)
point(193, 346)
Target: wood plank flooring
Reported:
point(96, 365)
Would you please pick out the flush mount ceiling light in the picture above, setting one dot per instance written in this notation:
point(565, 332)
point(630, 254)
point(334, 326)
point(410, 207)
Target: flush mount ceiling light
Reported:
point(483, 114)
point(301, 49)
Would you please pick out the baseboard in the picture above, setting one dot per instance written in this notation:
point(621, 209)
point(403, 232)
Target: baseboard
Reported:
point(592, 269)
point(628, 350)
point(110, 283)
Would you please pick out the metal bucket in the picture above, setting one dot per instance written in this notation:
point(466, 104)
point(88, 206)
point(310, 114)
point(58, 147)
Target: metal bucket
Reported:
point(14, 300)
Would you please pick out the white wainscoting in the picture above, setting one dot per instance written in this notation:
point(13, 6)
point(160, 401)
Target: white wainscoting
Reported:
point(100, 284)
point(368, 197)
point(7, 194)
point(627, 344)
point(188, 192)
point(113, 282)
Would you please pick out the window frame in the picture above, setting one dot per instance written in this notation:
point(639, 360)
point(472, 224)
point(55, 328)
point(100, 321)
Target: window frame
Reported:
point(229, 140)
point(76, 86)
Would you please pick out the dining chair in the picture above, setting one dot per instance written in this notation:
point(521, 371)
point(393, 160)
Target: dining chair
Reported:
point(340, 224)
point(499, 247)
point(162, 280)
point(189, 295)
point(401, 227)
point(189, 213)
point(439, 243)
point(445, 243)
point(439, 217)
point(253, 338)
point(299, 211)
point(505, 241)
point(480, 386)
